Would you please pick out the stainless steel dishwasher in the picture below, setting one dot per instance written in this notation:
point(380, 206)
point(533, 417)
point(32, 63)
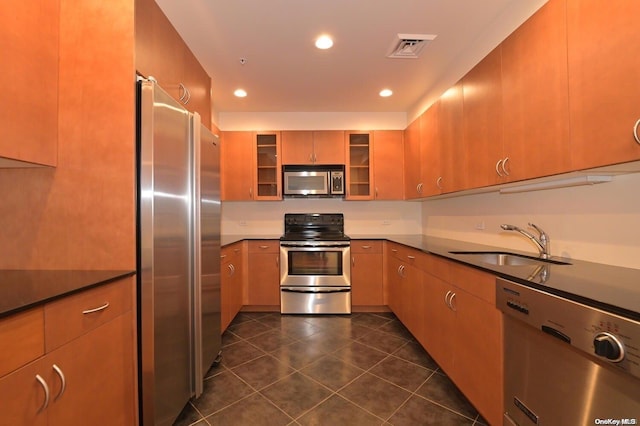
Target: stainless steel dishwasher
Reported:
point(567, 363)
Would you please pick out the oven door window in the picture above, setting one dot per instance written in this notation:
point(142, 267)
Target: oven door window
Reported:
point(325, 262)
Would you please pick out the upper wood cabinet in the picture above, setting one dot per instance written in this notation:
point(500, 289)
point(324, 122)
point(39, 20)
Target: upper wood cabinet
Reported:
point(236, 168)
point(267, 167)
point(482, 121)
point(161, 53)
point(603, 81)
point(535, 95)
point(412, 163)
point(359, 166)
point(313, 147)
point(388, 165)
point(430, 151)
point(29, 39)
point(453, 173)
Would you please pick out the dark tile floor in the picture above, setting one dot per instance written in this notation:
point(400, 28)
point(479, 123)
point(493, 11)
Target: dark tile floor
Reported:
point(362, 369)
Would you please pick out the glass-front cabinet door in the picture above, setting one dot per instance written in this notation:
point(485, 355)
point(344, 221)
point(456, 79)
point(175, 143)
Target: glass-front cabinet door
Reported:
point(267, 165)
point(359, 168)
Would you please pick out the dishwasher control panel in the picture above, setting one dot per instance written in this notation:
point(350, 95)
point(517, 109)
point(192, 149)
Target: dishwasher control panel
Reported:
point(605, 336)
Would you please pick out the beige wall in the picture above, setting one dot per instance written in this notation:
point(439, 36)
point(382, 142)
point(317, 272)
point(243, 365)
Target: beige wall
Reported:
point(81, 214)
point(598, 223)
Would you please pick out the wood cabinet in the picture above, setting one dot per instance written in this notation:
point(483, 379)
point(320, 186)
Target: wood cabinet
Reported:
point(482, 121)
point(313, 147)
point(359, 165)
point(263, 281)
point(231, 282)
point(603, 82)
point(29, 40)
point(388, 165)
point(412, 160)
point(478, 341)
point(77, 387)
point(267, 167)
point(430, 151)
point(450, 309)
point(367, 274)
point(535, 95)
point(236, 167)
point(161, 53)
point(452, 174)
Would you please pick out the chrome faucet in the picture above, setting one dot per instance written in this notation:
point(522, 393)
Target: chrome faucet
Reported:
point(542, 242)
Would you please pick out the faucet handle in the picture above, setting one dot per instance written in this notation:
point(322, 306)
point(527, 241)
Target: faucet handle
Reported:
point(544, 238)
point(540, 231)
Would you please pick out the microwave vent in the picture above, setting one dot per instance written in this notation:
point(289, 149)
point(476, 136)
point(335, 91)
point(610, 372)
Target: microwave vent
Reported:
point(409, 45)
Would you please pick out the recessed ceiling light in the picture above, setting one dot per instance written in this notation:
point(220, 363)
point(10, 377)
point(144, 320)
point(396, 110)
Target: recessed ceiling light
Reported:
point(385, 93)
point(240, 93)
point(324, 42)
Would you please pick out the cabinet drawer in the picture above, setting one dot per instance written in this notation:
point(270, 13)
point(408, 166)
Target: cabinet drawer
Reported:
point(231, 253)
point(366, 246)
point(22, 339)
point(264, 246)
point(474, 281)
point(73, 316)
point(436, 266)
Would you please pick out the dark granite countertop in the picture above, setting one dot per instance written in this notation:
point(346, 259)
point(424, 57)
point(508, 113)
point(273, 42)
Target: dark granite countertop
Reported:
point(23, 289)
point(612, 288)
point(226, 240)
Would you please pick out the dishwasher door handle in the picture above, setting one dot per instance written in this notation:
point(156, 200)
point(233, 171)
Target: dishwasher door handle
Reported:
point(555, 333)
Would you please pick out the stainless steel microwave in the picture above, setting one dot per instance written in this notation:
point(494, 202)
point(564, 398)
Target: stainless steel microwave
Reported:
point(313, 181)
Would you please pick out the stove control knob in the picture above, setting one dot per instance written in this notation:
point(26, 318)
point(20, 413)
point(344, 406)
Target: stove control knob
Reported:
point(608, 346)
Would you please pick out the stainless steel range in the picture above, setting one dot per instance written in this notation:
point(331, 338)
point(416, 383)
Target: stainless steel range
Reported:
point(315, 272)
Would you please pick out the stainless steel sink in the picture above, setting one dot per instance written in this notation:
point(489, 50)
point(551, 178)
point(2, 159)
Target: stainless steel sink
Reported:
point(507, 259)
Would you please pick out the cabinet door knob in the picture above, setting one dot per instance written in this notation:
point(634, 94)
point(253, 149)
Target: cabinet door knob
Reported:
point(635, 131)
point(63, 381)
point(45, 387)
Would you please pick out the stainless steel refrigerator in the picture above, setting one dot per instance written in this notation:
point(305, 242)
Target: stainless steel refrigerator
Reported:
point(178, 254)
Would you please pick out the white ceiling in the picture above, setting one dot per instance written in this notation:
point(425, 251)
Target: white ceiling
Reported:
point(284, 72)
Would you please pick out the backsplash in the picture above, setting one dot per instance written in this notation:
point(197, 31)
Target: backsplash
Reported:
point(596, 223)
point(361, 217)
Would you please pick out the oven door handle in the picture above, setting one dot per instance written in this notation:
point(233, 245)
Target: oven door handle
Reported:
point(312, 245)
point(337, 290)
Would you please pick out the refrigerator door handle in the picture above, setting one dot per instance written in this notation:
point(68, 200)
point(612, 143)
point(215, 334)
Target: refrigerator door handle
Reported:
point(196, 297)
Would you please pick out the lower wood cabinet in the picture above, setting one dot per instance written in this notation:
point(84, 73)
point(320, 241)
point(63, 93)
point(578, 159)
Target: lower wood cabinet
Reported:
point(231, 282)
point(450, 309)
point(367, 274)
point(90, 379)
point(263, 281)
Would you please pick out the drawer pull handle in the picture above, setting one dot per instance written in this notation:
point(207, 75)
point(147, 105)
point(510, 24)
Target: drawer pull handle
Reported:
point(63, 381)
point(411, 257)
point(264, 247)
point(366, 247)
point(635, 131)
point(46, 393)
point(222, 256)
point(98, 309)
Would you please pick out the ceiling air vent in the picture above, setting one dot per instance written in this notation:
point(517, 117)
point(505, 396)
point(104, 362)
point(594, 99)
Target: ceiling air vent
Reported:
point(409, 45)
